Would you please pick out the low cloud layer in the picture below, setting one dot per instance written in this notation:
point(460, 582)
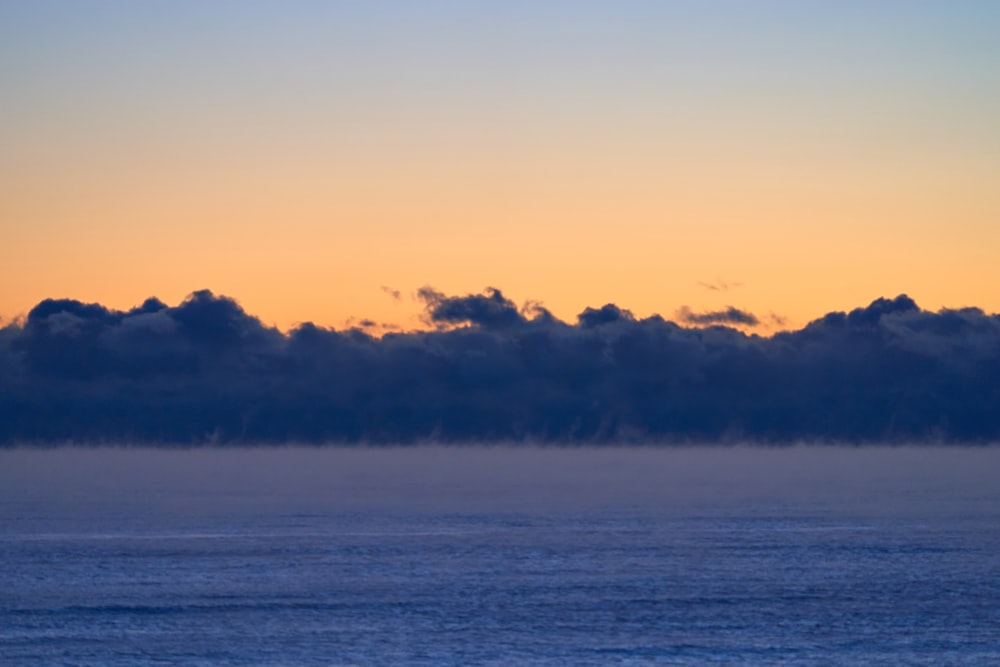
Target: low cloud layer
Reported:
point(731, 315)
point(206, 371)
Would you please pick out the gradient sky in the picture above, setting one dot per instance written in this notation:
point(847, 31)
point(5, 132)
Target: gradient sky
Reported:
point(300, 156)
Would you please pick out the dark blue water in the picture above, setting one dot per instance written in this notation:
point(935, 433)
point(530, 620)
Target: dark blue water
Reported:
point(475, 556)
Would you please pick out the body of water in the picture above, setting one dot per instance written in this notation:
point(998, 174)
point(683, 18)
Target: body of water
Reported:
point(500, 556)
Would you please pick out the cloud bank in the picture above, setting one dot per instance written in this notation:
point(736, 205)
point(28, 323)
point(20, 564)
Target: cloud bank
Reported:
point(731, 315)
point(206, 371)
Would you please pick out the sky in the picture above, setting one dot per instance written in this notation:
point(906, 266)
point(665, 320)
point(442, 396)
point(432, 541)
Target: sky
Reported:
point(314, 159)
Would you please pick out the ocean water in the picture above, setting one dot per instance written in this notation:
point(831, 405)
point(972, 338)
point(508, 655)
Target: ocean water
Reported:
point(500, 556)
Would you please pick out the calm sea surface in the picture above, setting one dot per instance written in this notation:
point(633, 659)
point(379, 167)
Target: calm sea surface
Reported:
point(500, 556)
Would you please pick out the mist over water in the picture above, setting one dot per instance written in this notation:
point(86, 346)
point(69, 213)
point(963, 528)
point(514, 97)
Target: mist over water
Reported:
point(668, 480)
point(480, 555)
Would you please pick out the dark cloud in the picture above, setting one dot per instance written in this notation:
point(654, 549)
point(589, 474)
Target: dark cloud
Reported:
point(606, 314)
point(371, 325)
point(731, 315)
point(534, 310)
point(490, 309)
point(206, 371)
point(395, 294)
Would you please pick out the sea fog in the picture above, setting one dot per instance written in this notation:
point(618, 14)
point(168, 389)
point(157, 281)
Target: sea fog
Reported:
point(689, 480)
